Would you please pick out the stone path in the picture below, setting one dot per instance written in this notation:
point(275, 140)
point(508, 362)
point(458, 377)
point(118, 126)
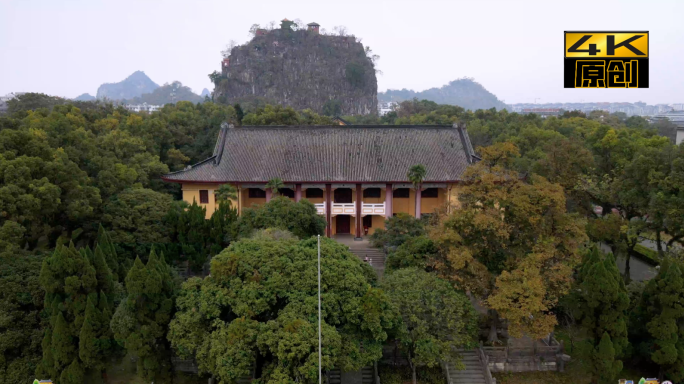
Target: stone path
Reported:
point(362, 249)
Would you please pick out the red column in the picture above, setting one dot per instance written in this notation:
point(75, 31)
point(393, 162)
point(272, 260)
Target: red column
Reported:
point(359, 196)
point(388, 201)
point(418, 195)
point(328, 210)
point(298, 192)
point(268, 194)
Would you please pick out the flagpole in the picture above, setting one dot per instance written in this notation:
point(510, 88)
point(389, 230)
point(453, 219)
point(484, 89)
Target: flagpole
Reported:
point(320, 377)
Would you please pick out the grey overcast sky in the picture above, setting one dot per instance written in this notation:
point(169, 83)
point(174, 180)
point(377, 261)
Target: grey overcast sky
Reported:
point(512, 47)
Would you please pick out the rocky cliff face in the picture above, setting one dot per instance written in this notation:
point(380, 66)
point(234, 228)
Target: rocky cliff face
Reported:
point(301, 69)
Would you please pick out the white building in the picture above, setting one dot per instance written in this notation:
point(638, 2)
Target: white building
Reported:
point(385, 108)
point(144, 107)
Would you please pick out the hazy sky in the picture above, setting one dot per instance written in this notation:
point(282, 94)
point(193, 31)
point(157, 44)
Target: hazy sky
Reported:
point(513, 48)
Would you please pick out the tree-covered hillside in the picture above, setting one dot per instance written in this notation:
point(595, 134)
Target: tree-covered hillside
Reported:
point(168, 93)
point(94, 247)
point(465, 93)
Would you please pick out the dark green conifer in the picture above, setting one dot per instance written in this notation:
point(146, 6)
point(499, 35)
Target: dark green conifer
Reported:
point(73, 374)
point(62, 344)
point(89, 345)
point(664, 301)
point(118, 267)
point(603, 300)
point(76, 283)
point(142, 318)
point(606, 366)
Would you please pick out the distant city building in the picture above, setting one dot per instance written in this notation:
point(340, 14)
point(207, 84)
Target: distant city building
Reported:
point(630, 109)
point(144, 107)
point(543, 111)
point(387, 107)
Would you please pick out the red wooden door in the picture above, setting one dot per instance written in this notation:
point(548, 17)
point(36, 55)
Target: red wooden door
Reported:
point(343, 223)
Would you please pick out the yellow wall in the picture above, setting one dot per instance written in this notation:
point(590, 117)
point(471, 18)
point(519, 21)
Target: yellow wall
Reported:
point(405, 205)
point(248, 202)
point(430, 204)
point(191, 193)
point(378, 222)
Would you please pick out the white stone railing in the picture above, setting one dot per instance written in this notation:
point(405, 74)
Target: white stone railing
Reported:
point(343, 209)
point(350, 209)
point(372, 209)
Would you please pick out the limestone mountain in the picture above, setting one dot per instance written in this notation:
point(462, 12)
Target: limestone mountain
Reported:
point(85, 97)
point(205, 92)
point(464, 92)
point(302, 69)
point(168, 93)
point(134, 85)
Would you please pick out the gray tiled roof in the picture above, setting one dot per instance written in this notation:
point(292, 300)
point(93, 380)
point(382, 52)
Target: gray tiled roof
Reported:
point(333, 154)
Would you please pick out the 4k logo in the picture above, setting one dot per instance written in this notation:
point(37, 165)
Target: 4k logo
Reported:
point(606, 59)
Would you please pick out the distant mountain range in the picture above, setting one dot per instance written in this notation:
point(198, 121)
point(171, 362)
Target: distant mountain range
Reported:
point(465, 93)
point(168, 93)
point(134, 85)
point(139, 88)
point(85, 97)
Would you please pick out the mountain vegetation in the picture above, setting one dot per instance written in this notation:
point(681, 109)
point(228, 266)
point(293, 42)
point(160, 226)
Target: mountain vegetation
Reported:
point(302, 69)
point(465, 93)
point(134, 85)
point(85, 97)
point(168, 94)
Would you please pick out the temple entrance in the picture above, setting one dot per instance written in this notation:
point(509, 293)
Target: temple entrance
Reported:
point(343, 195)
point(343, 224)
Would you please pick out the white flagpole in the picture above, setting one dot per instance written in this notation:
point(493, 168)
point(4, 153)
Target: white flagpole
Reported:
point(320, 377)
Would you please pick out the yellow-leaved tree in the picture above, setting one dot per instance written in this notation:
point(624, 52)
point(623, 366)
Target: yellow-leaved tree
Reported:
point(512, 244)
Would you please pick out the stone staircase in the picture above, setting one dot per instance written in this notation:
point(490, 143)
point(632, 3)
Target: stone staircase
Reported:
point(374, 255)
point(335, 376)
point(474, 372)
point(364, 376)
point(367, 374)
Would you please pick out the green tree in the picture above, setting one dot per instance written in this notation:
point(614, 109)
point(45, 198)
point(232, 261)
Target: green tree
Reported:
point(136, 220)
point(21, 327)
point(416, 252)
point(300, 218)
point(141, 320)
point(512, 243)
point(226, 193)
point(223, 227)
point(416, 174)
point(259, 306)
point(398, 229)
point(275, 185)
point(73, 281)
point(603, 301)
point(606, 366)
point(437, 319)
point(239, 113)
point(332, 108)
point(663, 300)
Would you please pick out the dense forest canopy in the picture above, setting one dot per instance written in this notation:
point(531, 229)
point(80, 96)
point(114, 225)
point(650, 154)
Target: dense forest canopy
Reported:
point(86, 224)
